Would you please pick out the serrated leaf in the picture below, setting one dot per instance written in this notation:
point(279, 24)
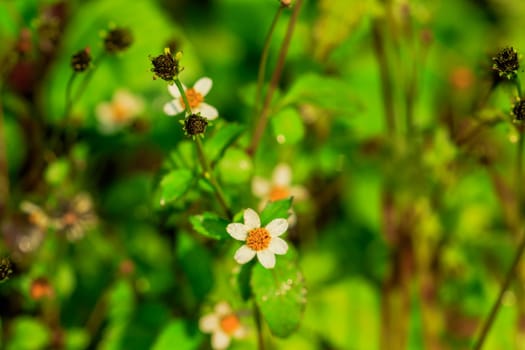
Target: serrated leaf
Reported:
point(218, 143)
point(175, 184)
point(288, 126)
point(280, 294)
point(275, 210)
point(210, 225)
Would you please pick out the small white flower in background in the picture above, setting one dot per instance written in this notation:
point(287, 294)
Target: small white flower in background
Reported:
point(195, 97)
point(279, 187)
point(123, 109)
point(223, 324)
point(261, 241)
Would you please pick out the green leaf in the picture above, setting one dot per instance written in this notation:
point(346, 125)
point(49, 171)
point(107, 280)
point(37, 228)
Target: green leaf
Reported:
point(28, 334)
point(235, 167)
point(175, 333)
point(210, 225)
point(243, 278)
point(280, 294)
point(288, 126)
point(330, 93)
point(218, 143)
point(175, 184)
point(57, 171)
point(275, 210)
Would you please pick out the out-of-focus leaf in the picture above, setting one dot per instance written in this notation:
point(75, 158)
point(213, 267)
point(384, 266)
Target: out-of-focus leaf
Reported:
point(243, 278)
point(280, 294)
point(16, 148)
point(175, 332)
point(330, 93)
point(218, 143)
point(76, 339)
point(121, 305)
point(175, 184)
point(276, 209)
point(235, 167)
point(28, 334)
point(288, 126)
point(119, 200)
point(210, 225)
point(197, 264)
point(57, 172)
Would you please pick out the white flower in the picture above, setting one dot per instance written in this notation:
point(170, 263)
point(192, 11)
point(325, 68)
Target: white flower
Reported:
point(120, 112)
point(279, 187)
point(261, 241)
point(223, 324)
point(195, 97)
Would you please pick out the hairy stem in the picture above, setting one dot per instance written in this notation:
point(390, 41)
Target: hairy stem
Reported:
point(264, 59)
point(276, 76)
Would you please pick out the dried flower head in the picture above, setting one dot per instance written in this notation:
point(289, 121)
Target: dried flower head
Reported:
point(81, 60)
point(166, 66)
point(5, 269)
point(117, 40)
point(506, 63)
point(195, 125)
point(76, 217)
point(518, 110)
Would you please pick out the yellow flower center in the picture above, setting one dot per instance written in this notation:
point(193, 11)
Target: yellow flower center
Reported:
point(258, 239)
point(279, 192)
point(70, 218)
point(194, 98)
point(230, 324)
point(120, 113)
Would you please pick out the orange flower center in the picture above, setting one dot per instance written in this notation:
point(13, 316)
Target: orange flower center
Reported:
point(279, 192)
point(70, 218)
point(194, 98)
point(120, 113)
point(230, 324)
point(258, 239)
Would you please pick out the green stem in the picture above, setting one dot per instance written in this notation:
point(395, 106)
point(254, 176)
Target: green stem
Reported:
point(88, 76)
point(258, 324)
point(519, 172)
point(69, 92)
point(518, 86)
point(264, 59)
point(184, 97)
point(206, 170)
point(4, 170)
point(504, 287)
point(265, 110)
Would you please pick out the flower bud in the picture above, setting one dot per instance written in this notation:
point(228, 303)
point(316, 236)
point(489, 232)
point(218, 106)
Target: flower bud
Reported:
point(117, 40)
point(5, 269)
point(166, 66)
point(195, 125)
point(81, 60)
point(506, 63)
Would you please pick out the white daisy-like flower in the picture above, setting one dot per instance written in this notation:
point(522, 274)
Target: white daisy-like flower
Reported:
point(195, 97)
point(123, 109)
point(279, 187)
point(223, 324)
point(261, 241)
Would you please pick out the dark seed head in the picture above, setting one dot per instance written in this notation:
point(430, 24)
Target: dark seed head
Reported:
point(519, 110)
point(117, 40)
point(195, 125)
point(166, 66)
point(5, 269)
point(506, 63)
point(81, 60)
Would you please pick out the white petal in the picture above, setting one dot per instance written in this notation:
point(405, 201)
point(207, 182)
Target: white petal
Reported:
point(222, 309)
point(299, 193)
point(260, 186)
point(266, 258)
point(104, 112)
point(207, 111)
point(173, 107)
point(174, 90)
point(251, 219)
point(282, 175)
point(237, 231)
point(203, 86)
point(240, 332)
point(278, 246)
point(209, 323)
point(244, 254)
point(277, 227)
point(220, 340)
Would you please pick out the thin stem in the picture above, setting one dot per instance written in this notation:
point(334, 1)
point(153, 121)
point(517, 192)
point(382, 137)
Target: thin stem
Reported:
point(206, 170)
point(264, 59)
point(184, 97)
point(519, 172)
point(386, 79)
point(69, 92)
point(265, 111)
point(207, 174)
point(518, 86)
point(258, 324)
point(88, 76)
point(495, 308)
